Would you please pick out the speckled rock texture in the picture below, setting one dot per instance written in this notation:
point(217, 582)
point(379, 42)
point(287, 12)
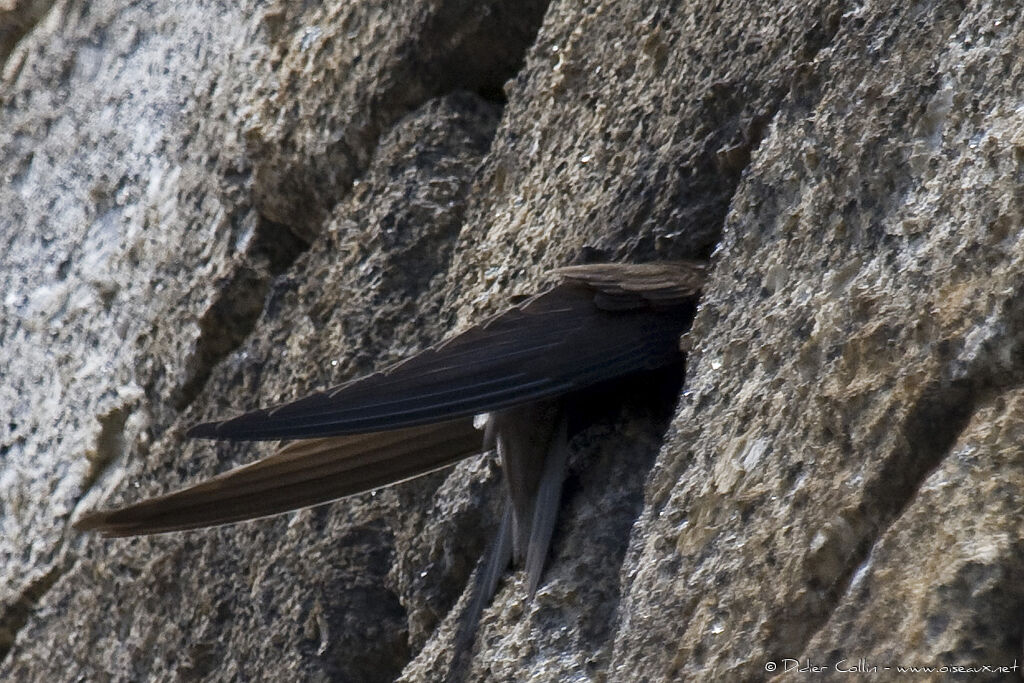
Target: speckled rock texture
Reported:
point(206, 207)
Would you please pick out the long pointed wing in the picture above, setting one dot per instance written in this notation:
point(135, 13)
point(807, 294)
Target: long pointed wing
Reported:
point(603, 322)
point(302, 474)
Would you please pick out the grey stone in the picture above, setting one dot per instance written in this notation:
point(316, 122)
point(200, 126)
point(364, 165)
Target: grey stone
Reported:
point(209, 207)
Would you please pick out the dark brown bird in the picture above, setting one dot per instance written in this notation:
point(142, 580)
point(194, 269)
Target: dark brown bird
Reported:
point(602, 322)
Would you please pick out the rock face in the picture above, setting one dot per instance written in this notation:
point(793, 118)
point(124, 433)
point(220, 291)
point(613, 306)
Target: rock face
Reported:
point(206, 207)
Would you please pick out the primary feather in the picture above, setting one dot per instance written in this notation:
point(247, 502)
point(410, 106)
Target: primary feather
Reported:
point(602, 322)
point(302, 474)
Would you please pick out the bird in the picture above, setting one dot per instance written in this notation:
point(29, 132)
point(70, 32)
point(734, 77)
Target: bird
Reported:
point(500, 385)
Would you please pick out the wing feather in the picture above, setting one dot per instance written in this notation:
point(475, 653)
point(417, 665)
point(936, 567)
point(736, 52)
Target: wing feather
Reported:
point(603, 322)
point(299, 475)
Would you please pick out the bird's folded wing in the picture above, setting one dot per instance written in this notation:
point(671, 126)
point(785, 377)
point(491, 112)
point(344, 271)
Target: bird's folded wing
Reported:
point(301, 474)
point(604, 322)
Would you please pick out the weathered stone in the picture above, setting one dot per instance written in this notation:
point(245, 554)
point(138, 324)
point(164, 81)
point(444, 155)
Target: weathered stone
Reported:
point(865, 311)
point(206, 208)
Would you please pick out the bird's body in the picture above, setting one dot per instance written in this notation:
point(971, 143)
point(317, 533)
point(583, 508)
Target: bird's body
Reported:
point(602, 322)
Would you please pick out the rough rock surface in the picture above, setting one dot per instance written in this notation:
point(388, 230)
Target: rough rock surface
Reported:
point(206, 207)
